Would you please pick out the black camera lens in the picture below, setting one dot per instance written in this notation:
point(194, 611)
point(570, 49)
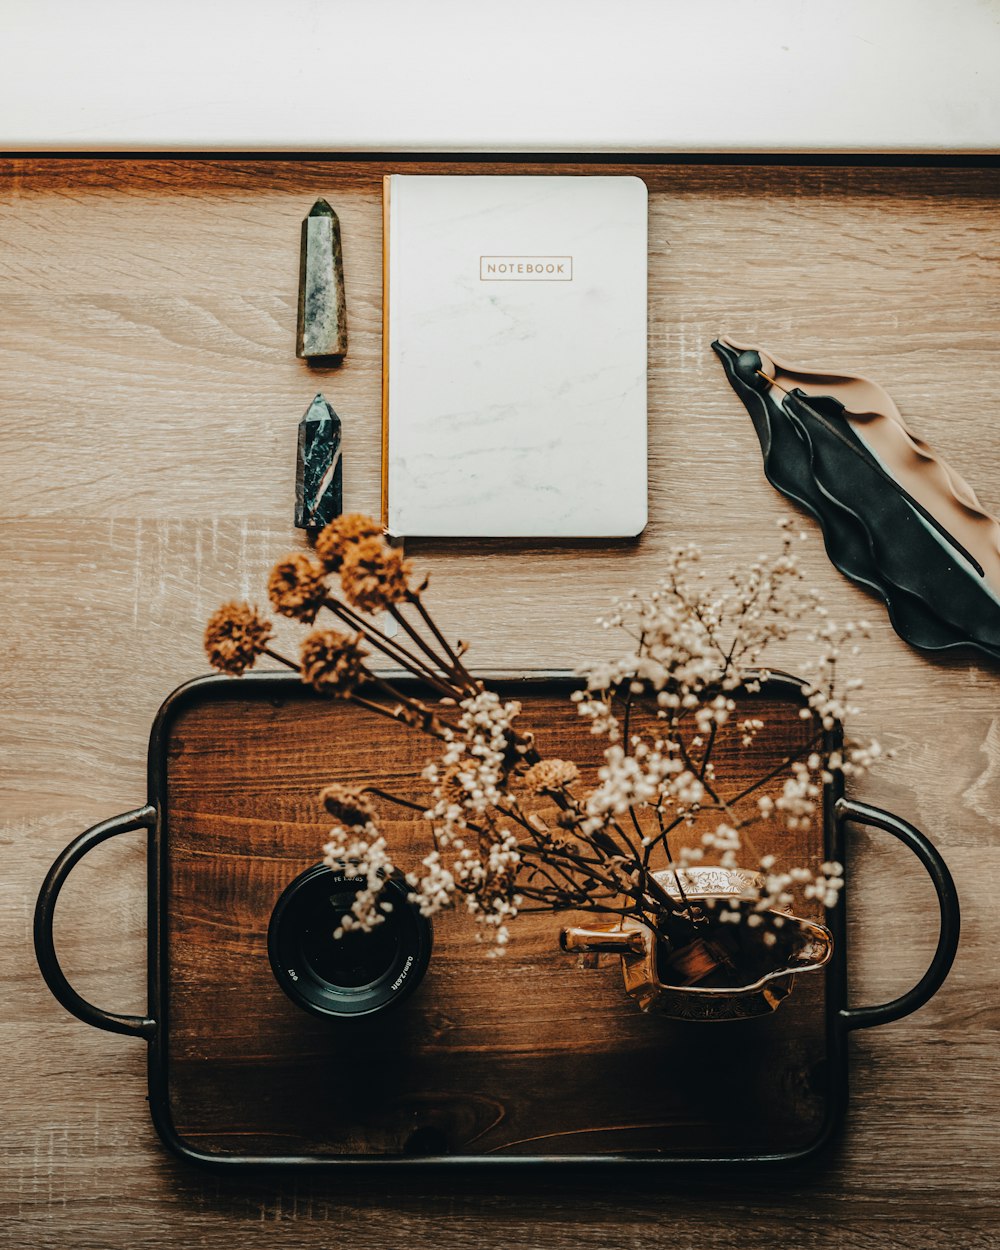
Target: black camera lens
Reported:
point(358, 973)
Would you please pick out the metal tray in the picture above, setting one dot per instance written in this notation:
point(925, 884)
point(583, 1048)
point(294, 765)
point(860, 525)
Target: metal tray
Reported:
point(515, 1062)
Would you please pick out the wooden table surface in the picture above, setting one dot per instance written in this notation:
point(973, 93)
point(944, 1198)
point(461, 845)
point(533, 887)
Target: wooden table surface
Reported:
point(150, 395)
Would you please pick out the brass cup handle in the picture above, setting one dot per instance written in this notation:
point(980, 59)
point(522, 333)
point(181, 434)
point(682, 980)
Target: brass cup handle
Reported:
point(819, 950)
point(603, 939)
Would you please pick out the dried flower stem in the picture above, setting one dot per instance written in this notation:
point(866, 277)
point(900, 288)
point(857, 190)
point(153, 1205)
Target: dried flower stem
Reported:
point(707, 754)
point(456, 672)
point(397, 799)
point(457, 666)
point(389, 647)
point(778, 769)
point(282, 659)
point(553, 858)
point(397, 713)
point(428, 720)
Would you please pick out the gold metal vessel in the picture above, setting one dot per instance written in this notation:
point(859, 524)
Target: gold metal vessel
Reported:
point(637, 947)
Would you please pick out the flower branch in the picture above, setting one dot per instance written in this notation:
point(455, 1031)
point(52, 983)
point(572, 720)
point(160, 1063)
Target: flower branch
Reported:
point(511, 831)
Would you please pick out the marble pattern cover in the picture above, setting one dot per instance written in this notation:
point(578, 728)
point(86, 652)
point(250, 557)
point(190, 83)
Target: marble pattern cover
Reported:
point(514, 370)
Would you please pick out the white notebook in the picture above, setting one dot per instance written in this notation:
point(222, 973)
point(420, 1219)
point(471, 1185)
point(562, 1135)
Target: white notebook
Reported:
point(514, 356)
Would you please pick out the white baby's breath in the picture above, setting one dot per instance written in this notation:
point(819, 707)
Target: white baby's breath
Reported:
point(510, 829)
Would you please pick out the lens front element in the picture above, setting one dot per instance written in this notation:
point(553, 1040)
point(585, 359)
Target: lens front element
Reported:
point(356, 974)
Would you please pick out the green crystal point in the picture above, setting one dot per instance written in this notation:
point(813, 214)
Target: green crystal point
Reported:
point(322, 328)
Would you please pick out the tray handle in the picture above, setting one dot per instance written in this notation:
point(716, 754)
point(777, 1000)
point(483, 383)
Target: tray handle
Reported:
point(45, 951)
point(874, 817)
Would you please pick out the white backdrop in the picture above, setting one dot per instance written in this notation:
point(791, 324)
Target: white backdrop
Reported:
point(516, 75)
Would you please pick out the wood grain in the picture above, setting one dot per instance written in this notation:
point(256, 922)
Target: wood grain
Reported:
point(150, 395)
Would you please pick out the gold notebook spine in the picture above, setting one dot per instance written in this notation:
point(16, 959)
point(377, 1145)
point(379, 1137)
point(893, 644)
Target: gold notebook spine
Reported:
point(386, 184)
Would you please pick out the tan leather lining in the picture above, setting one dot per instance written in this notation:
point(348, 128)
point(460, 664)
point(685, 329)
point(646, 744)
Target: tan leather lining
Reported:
point(915, 466)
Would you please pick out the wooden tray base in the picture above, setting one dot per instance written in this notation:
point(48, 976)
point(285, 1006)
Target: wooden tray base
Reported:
point(527, 1054)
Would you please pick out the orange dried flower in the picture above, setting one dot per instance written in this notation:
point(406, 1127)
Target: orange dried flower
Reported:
point(452, 788)
point(296, 587)
point(374, 575)
point(348, 804)
point(334, 540)
point(333, 662)
point(550, 775)
point(234, 636)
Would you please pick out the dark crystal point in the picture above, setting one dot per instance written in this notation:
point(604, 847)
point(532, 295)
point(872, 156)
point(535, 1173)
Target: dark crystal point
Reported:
point(319, 487)
point(322, 306)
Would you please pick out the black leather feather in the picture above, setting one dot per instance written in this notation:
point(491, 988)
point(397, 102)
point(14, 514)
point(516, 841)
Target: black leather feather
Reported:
point(875, 533)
